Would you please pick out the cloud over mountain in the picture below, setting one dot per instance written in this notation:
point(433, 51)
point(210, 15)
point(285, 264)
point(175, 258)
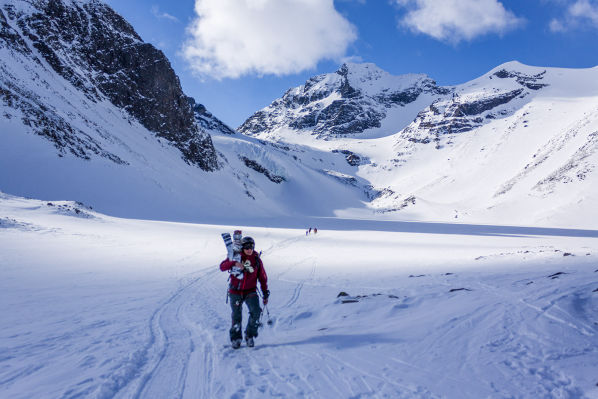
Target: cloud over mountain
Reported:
point(579, 13)
point(457, 20)
point(229, 39)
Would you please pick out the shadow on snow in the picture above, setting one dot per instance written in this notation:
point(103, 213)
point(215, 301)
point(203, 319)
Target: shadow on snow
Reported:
point(325, 223)
point(338, 341)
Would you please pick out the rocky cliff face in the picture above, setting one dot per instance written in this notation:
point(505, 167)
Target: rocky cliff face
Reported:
point(206, 120)
point(355, 98)
point(86, 43)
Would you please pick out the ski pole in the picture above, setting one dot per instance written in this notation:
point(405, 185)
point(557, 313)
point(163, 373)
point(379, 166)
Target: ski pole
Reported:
point(268, 312)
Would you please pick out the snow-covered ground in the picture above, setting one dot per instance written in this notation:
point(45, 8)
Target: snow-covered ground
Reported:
point(98, 307)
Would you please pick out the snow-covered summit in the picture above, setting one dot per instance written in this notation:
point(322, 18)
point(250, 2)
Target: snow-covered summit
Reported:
point(371, 80)
point(354, 99)
point(517, 144)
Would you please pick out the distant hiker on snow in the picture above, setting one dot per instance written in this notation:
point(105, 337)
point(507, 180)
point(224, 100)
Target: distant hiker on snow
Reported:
point(243, 288)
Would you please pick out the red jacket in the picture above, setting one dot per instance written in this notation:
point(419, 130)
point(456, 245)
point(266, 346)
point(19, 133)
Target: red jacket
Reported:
point(249, 281)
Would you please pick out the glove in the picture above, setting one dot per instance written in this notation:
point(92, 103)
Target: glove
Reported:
point(266, 296)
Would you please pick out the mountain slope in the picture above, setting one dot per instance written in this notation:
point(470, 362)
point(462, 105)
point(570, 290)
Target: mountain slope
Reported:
point(94, 49)
point(517, 145)
point(523, 154)
point(92, 113)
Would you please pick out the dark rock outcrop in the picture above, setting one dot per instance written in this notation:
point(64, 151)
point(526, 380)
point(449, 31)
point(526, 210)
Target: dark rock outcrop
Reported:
point(460, 114)
point(100, 54)
point(252, 164)
point(206, 120)
point(351, 158)
point(529, 81)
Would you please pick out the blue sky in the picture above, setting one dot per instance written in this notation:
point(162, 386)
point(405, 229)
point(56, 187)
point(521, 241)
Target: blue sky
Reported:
point(242, 54)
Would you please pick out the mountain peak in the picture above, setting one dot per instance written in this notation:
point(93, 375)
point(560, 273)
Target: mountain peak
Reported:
point(358, 68)
point(101, 56)
point(371, 79)
point(351, 100)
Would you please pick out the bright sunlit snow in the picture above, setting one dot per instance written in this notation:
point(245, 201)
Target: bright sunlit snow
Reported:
point(101, 307)
point(456, 254)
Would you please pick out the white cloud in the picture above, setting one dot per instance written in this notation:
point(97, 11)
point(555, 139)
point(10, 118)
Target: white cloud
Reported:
point(231, 38)
point(585, 11)
point(580, 13)
point(556, 25)
point(457, 20)
point(163, 15)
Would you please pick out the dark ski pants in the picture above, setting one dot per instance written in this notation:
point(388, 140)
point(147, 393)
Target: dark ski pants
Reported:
point(236, 304)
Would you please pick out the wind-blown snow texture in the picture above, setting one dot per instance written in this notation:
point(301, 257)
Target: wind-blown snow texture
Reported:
point(98, 307)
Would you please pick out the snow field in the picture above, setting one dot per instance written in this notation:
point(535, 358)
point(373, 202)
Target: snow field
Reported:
point(101, 307)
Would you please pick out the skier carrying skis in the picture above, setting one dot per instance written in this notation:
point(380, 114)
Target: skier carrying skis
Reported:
point(243, 288)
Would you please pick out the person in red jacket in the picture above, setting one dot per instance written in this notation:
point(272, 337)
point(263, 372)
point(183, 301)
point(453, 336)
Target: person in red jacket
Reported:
point(244, 276)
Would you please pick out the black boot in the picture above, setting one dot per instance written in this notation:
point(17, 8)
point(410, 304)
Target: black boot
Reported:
point(235, 335)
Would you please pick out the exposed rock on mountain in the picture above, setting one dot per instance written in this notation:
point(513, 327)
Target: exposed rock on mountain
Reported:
point(250, 163)
point(516, 144)
point(206, 120)
point(75, 77)
point(352, 158)
point(472, 106)
point(529, 81)
point(349, 101)
point(86, 43)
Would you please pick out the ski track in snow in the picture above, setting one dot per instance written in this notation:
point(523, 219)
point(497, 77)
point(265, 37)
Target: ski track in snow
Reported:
point(479, 332)
point(189, 357)
point(178, 344)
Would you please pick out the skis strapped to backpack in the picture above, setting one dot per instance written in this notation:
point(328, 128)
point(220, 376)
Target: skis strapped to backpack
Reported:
point(233, 250)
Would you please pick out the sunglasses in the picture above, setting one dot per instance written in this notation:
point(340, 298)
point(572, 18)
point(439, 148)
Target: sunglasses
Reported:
point(248, 246)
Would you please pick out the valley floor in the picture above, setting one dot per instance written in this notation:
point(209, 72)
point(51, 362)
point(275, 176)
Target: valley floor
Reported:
point(99, 307)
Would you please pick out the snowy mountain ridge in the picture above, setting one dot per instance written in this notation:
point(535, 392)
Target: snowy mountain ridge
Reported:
point(355, 98)
point(519, 140)
point(94, 114)
point(95, 50)
point(517, 145)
